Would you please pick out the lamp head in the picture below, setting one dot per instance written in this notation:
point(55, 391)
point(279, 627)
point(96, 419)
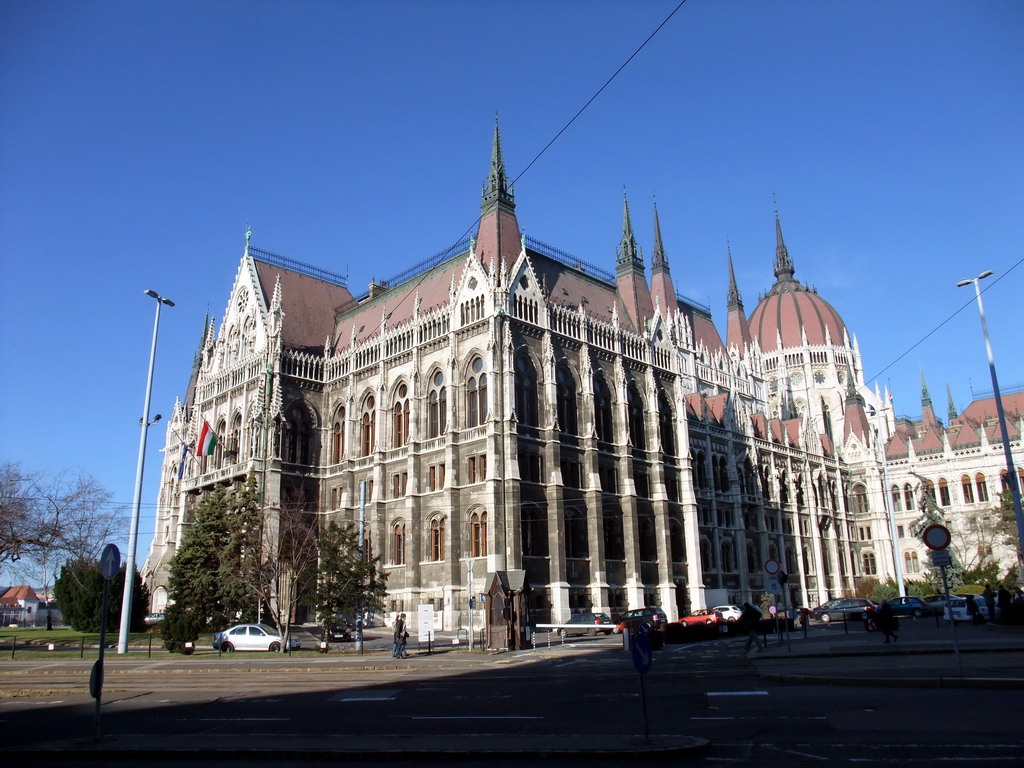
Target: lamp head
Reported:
point(154, 294)
point(962, 283)
point(985, 274)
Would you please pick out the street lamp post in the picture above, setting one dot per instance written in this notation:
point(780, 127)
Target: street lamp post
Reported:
point(133, 531)
point(1011, 472)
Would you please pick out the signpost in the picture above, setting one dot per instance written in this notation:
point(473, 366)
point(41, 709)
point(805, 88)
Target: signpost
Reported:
point(110, 564)
point(937, 538)
point(643, 656)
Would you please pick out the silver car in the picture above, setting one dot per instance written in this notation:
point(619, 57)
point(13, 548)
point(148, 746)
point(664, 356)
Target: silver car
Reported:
point(251, 637)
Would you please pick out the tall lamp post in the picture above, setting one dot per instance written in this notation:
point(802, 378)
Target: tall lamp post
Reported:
point(1011, 472)
point(133, 531)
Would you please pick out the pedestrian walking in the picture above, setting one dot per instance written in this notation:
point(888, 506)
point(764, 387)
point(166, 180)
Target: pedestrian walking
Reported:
point(974, 610)
point(887, 622)
point(990, 601)
point(403, 640)
point(399, 632)
point(1003, 599)
point(750, 620)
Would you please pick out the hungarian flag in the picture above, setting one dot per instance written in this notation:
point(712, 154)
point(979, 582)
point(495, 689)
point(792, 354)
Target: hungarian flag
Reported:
point(181, 467)
point(207, 441)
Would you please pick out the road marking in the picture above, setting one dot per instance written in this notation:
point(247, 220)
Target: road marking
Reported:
point(737, 693)
point(476, 717)
point(380, 695)
point(230, 719)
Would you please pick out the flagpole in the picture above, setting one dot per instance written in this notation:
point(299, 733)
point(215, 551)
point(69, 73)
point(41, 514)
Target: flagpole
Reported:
point(133, 531)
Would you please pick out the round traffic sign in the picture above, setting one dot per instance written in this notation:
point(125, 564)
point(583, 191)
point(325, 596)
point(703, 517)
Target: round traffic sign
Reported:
point(936, 537)
point(110, 561)
point(771, 567)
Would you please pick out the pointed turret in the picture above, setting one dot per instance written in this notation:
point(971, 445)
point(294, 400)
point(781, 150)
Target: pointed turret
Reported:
point(634, 292)
point(784, 268)
point(951, 413)
point(662, 289)
point(737, 330)
point(928, 418)
point(856, 418)
point(498, 236)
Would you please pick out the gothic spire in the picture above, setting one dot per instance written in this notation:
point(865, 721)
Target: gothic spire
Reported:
point(851, 387)
point(734, 294)
point(629, 253)
point(658, 258)
point(952, 408)
point(784, 268)
point(496, 188)
point(926, 399)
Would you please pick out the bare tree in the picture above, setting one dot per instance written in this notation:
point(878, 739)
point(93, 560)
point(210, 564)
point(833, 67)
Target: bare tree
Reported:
point(53, 518)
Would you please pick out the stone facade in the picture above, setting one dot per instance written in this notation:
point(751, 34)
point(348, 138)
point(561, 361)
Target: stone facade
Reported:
point(505, 406)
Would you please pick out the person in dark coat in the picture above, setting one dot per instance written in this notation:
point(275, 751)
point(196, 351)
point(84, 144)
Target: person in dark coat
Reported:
point(989, 595)
point(887, 622)
point(750, 619)
point(403, 639)
point(1004, 598)
point(399, 633)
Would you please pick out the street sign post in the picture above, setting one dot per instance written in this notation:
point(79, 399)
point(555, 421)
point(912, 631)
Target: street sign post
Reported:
point(936, 538)
point(110, 564)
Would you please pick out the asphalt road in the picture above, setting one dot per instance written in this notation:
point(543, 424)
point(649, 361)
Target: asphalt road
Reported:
point(587, 688)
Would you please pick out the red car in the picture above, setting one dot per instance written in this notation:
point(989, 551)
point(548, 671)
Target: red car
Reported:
point(703, 616)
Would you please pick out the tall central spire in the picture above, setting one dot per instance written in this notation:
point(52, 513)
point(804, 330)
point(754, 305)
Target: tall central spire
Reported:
point(734, 293)
point(658, 258)
point(496, 190)
point(783, 264)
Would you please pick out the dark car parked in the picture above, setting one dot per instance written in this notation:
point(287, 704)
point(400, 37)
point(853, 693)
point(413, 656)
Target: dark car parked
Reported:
point(844, 609)
point(588, 624)
point(633, 619)
point(912, 606)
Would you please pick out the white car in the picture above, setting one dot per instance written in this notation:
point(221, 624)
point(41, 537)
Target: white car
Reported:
point(251, 637)
point(729, 613)
point(957, 608)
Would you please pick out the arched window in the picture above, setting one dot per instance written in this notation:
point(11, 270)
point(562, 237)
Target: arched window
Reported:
point(476, 394)
point(897, 505)
point(218, 448)
point(535, 531)
point(603, 410)
point(790, 560)
point(526, 390)
point(437, 408)
point(859, 500)
point(398, 543)
point(368, 427)
point(982, 486)
point(911, 562)
point(707, 556)
point(783, 487)
point(400, 417)
point(700, 477)
point(868, 561)
point(766, 484)
point(635, 415)
point(235, 443)
point(576, 534)
point(728, 561)
point(614, 538)
point(648, 538)
point(437, 538)
point(666, 424)
point(908, 497)
point(338, 437)
point(568, 421)
point(677, 540)
point(752, 565)
point(805, 556)
point(478, 534)
point(944, 499)
point(968, 489)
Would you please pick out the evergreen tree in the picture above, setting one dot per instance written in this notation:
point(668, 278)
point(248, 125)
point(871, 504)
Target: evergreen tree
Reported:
point(346, 583)
point(79, 593)
point(195, 586)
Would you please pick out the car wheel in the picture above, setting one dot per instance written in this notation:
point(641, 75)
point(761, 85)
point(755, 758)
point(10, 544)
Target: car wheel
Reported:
point(275, 647)
point(592, 632)
point(826, 617)
point(918, 613)
point(710, 621)
point(227, 648)
point(732, 620)
point(562, 633)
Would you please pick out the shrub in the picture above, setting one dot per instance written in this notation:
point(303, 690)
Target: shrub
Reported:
point(181, 625)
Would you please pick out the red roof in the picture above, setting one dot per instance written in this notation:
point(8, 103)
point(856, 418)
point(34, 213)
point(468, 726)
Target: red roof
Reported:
point(23, 592)
point(309, 304)
point(787, 309)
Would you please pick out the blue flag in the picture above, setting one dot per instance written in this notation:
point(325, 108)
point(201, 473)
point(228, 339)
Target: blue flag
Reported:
point(181, 467)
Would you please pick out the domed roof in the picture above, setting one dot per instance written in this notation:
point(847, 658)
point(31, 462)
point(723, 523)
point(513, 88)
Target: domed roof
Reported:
point(790, 309)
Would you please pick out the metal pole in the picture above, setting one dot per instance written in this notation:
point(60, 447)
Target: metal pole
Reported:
point(133, 531)
point(952, 623)
point(897, 565)
point(362, 557)
point(1011, 472)
point(469, 599)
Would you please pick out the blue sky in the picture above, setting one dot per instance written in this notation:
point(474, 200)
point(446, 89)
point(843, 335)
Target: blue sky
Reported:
point(137, 139)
